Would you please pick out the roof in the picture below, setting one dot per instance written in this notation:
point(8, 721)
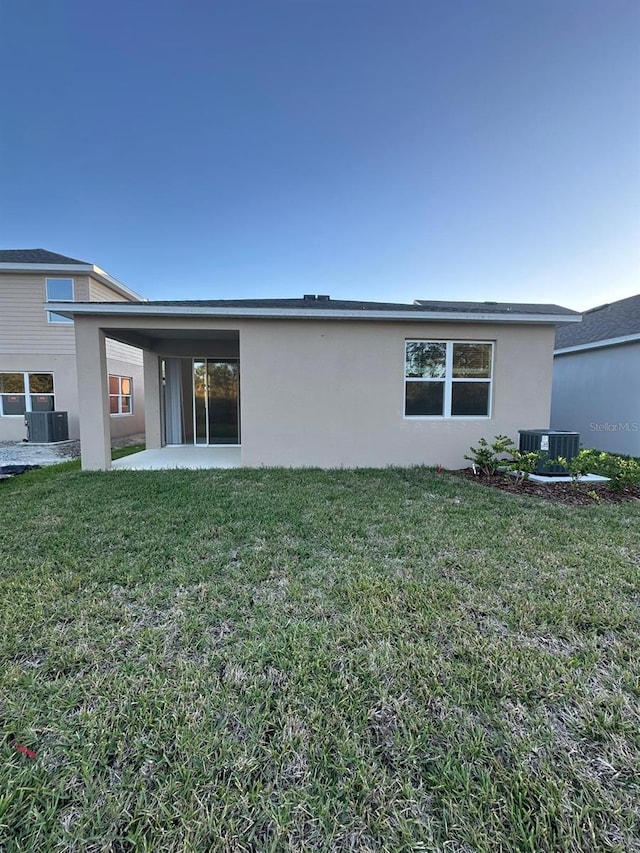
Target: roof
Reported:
point(35, 256)
point(495, 307)
point(418, 307)
point(604, 323)
point(335, 309)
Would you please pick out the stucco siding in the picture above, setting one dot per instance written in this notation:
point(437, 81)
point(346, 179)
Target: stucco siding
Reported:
point(65, 389)
point(128, 424)
point(63, 368)
point(332, 394)
point(597, 393)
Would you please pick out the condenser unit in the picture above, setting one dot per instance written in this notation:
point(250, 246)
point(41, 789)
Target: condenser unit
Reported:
point(46, 427)
point(551, 444)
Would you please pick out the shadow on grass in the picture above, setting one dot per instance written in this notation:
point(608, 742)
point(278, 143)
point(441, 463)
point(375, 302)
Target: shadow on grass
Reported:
point(46, 472)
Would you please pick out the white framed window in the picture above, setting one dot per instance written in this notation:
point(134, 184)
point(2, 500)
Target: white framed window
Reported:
point(448, 379)
point(26, 392)
point(120, 395)
point(59, 290)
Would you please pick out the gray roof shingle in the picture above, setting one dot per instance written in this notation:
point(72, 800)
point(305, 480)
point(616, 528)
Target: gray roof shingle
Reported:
point(493, 307)
point(36, 256)
point(419, 307)
point(614, 320)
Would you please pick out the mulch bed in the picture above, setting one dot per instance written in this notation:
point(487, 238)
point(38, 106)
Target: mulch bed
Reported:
point(565, 493)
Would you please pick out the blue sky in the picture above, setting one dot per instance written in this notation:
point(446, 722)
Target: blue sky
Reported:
point(474, 149)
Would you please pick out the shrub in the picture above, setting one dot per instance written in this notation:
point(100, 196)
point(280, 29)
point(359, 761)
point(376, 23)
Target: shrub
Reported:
point(623, 471)
point(523, 464)
point(487, 458)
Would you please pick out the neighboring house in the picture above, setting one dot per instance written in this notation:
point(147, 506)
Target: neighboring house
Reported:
point(313, 381)
point(596, 377)
point(37, 346)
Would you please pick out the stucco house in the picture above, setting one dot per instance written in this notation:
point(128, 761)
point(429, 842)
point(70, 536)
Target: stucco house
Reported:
point(38, 360)
point(596, 377)
point(320, 382)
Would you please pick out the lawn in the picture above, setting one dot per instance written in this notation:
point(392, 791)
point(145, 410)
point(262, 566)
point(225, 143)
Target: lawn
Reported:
point(271, 660)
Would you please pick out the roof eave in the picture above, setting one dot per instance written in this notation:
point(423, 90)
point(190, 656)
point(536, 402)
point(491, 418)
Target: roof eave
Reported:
point(115, 284)
point(78, 269)
point(606, 342)
point(115, 308)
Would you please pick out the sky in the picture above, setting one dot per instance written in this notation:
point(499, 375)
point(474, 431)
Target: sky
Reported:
point(388, 151)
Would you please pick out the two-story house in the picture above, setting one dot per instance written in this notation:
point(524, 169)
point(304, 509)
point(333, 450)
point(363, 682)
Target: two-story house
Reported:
point(38, 370)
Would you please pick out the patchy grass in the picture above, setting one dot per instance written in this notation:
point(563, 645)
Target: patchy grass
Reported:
point(127, 450)
point(315, 661)
point(74, 464)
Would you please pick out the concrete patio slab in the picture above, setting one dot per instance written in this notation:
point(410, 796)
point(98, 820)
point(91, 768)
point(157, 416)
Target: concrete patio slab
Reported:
point(185, 456)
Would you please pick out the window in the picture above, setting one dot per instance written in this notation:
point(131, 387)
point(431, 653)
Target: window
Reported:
point(120, 395)
point(26, 392)
point(450, 379)
point(59, 290)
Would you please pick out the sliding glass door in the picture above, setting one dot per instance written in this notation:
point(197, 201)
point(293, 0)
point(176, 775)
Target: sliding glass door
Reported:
point(216, 401)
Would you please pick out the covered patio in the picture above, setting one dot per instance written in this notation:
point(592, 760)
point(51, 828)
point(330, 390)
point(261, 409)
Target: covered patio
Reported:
point(192, 390)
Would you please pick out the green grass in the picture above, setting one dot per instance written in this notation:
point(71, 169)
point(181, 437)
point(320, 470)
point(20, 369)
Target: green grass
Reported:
point(74, 464)
point(315, 661)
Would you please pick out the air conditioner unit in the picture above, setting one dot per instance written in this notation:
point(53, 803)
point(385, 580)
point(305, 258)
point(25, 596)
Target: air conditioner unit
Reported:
point(46, 427)
point(550, 444)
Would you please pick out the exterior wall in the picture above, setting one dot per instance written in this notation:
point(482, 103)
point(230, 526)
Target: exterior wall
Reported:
point(330, 393)
point(597, 393)
point(128, 424)
point(65, 388)
point(93, 397)
point(24, 327)
point(29, 343)
point(99, 292)
point(123, 352)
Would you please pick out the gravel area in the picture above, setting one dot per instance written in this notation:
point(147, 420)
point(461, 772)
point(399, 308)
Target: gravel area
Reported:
point(26, 453)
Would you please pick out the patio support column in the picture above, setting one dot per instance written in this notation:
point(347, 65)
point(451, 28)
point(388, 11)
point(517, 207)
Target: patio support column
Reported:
point(152, 408)
point(93, 395)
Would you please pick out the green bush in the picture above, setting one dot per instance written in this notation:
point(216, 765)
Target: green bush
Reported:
point(487, 458)
point(523, 464)
point(501, 453)
point(623, 471)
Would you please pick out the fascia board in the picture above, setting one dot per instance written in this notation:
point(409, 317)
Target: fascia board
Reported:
point(607, 342)
point(149, 310)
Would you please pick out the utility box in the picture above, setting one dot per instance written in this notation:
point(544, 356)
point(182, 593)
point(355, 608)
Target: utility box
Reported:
point(46, 427)
point(551, 444)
